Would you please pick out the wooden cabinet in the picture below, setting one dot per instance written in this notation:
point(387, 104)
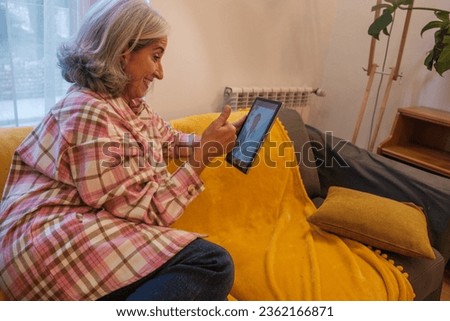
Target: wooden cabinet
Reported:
point(420, 136)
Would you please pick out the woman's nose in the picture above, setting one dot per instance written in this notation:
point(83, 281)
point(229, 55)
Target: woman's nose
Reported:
point(159, 72)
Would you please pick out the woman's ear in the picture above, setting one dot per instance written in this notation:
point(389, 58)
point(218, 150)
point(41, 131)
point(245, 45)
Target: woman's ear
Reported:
point(124, 58)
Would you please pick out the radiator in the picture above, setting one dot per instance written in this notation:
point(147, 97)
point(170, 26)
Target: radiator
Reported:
point(291, 97)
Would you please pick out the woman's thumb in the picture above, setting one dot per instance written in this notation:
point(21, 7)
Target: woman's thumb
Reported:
point(223, 117)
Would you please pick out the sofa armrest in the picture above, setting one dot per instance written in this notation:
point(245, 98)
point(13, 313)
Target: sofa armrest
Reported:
point(295, 127)
point(10, 140)
point(344, 164)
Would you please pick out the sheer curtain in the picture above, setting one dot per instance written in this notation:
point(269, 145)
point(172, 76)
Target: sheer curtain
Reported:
point(30, 33)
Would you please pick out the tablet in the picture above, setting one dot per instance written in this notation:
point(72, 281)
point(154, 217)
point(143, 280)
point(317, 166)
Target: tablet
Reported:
point(259, 120)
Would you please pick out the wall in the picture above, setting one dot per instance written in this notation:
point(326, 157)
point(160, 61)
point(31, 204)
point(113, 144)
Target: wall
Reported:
point(318, 43)
point(219, 43)
point(345, 80)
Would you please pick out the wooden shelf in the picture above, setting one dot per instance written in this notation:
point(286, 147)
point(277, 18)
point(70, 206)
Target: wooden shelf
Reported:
point(428, 114)
point(420, 136)
point(420, 156)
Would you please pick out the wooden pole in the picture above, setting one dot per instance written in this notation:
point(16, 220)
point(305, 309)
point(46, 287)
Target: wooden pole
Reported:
point(403, 41)
point(387, 91)
point(373, 43)
point(392, 77)
point(362, 109)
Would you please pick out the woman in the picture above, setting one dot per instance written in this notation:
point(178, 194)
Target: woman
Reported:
point(89, 201)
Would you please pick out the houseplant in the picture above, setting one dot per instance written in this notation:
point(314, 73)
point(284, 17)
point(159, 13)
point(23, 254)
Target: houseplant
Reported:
point(439, 56)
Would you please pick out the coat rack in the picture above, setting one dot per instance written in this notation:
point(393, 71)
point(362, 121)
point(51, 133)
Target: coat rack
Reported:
point(371, 71)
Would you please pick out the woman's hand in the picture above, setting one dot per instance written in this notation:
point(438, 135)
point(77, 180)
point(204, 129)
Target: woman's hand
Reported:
point(238, 124)
point(217, 139)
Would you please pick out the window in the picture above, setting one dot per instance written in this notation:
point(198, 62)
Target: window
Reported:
point(30, 33)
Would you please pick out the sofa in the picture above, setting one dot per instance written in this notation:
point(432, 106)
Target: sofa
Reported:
point(323, 162)
point(336, 162)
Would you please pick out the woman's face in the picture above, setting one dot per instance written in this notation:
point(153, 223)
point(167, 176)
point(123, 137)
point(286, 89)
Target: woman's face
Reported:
point(143, 66)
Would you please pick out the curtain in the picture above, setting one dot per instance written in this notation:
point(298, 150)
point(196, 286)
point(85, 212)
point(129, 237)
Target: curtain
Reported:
point(30, 33)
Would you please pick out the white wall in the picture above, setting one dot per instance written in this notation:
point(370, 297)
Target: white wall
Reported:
point(345, 81)
point(219, 43)
point(317, 43)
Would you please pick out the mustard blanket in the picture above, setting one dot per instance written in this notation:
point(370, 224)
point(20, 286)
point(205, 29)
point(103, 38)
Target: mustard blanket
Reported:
point(260, 218)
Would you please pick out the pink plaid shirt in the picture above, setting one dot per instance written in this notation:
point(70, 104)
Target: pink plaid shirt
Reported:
point(89, 201)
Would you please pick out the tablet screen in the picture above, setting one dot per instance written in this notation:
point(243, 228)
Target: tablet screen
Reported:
point(251, 136)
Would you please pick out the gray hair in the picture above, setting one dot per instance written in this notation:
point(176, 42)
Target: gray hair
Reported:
point(111, 28)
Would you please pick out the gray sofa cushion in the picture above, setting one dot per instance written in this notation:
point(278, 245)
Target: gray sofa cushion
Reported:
point(424, 275)
point(296, 129)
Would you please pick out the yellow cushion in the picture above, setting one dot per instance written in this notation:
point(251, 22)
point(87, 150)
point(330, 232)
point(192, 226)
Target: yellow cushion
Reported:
point(376, 221)
point(10, 139)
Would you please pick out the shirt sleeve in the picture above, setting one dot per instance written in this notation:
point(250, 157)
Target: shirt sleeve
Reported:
point(119, 178)
point(177, 142)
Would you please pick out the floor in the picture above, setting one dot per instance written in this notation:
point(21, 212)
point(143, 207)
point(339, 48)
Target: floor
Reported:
point(445, 294)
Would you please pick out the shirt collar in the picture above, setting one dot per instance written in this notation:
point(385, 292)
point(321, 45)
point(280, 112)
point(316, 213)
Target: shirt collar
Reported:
point(136, 105)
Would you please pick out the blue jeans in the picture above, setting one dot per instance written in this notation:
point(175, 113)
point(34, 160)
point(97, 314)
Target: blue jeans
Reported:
point(202, 271)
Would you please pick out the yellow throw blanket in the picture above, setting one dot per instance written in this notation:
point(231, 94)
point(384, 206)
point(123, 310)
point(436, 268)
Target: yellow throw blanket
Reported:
point(260, 218)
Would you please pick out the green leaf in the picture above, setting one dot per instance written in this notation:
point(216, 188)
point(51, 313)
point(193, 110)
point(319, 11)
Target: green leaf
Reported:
point(437, 58)
point(443, 63)
point(429, 61)
point(443, 15)
point(380, 24)
point(431, 25)
point(439, 37)
point(447, 38)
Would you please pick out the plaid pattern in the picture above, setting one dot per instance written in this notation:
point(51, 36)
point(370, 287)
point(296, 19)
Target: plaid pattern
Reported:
point(89, 201)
